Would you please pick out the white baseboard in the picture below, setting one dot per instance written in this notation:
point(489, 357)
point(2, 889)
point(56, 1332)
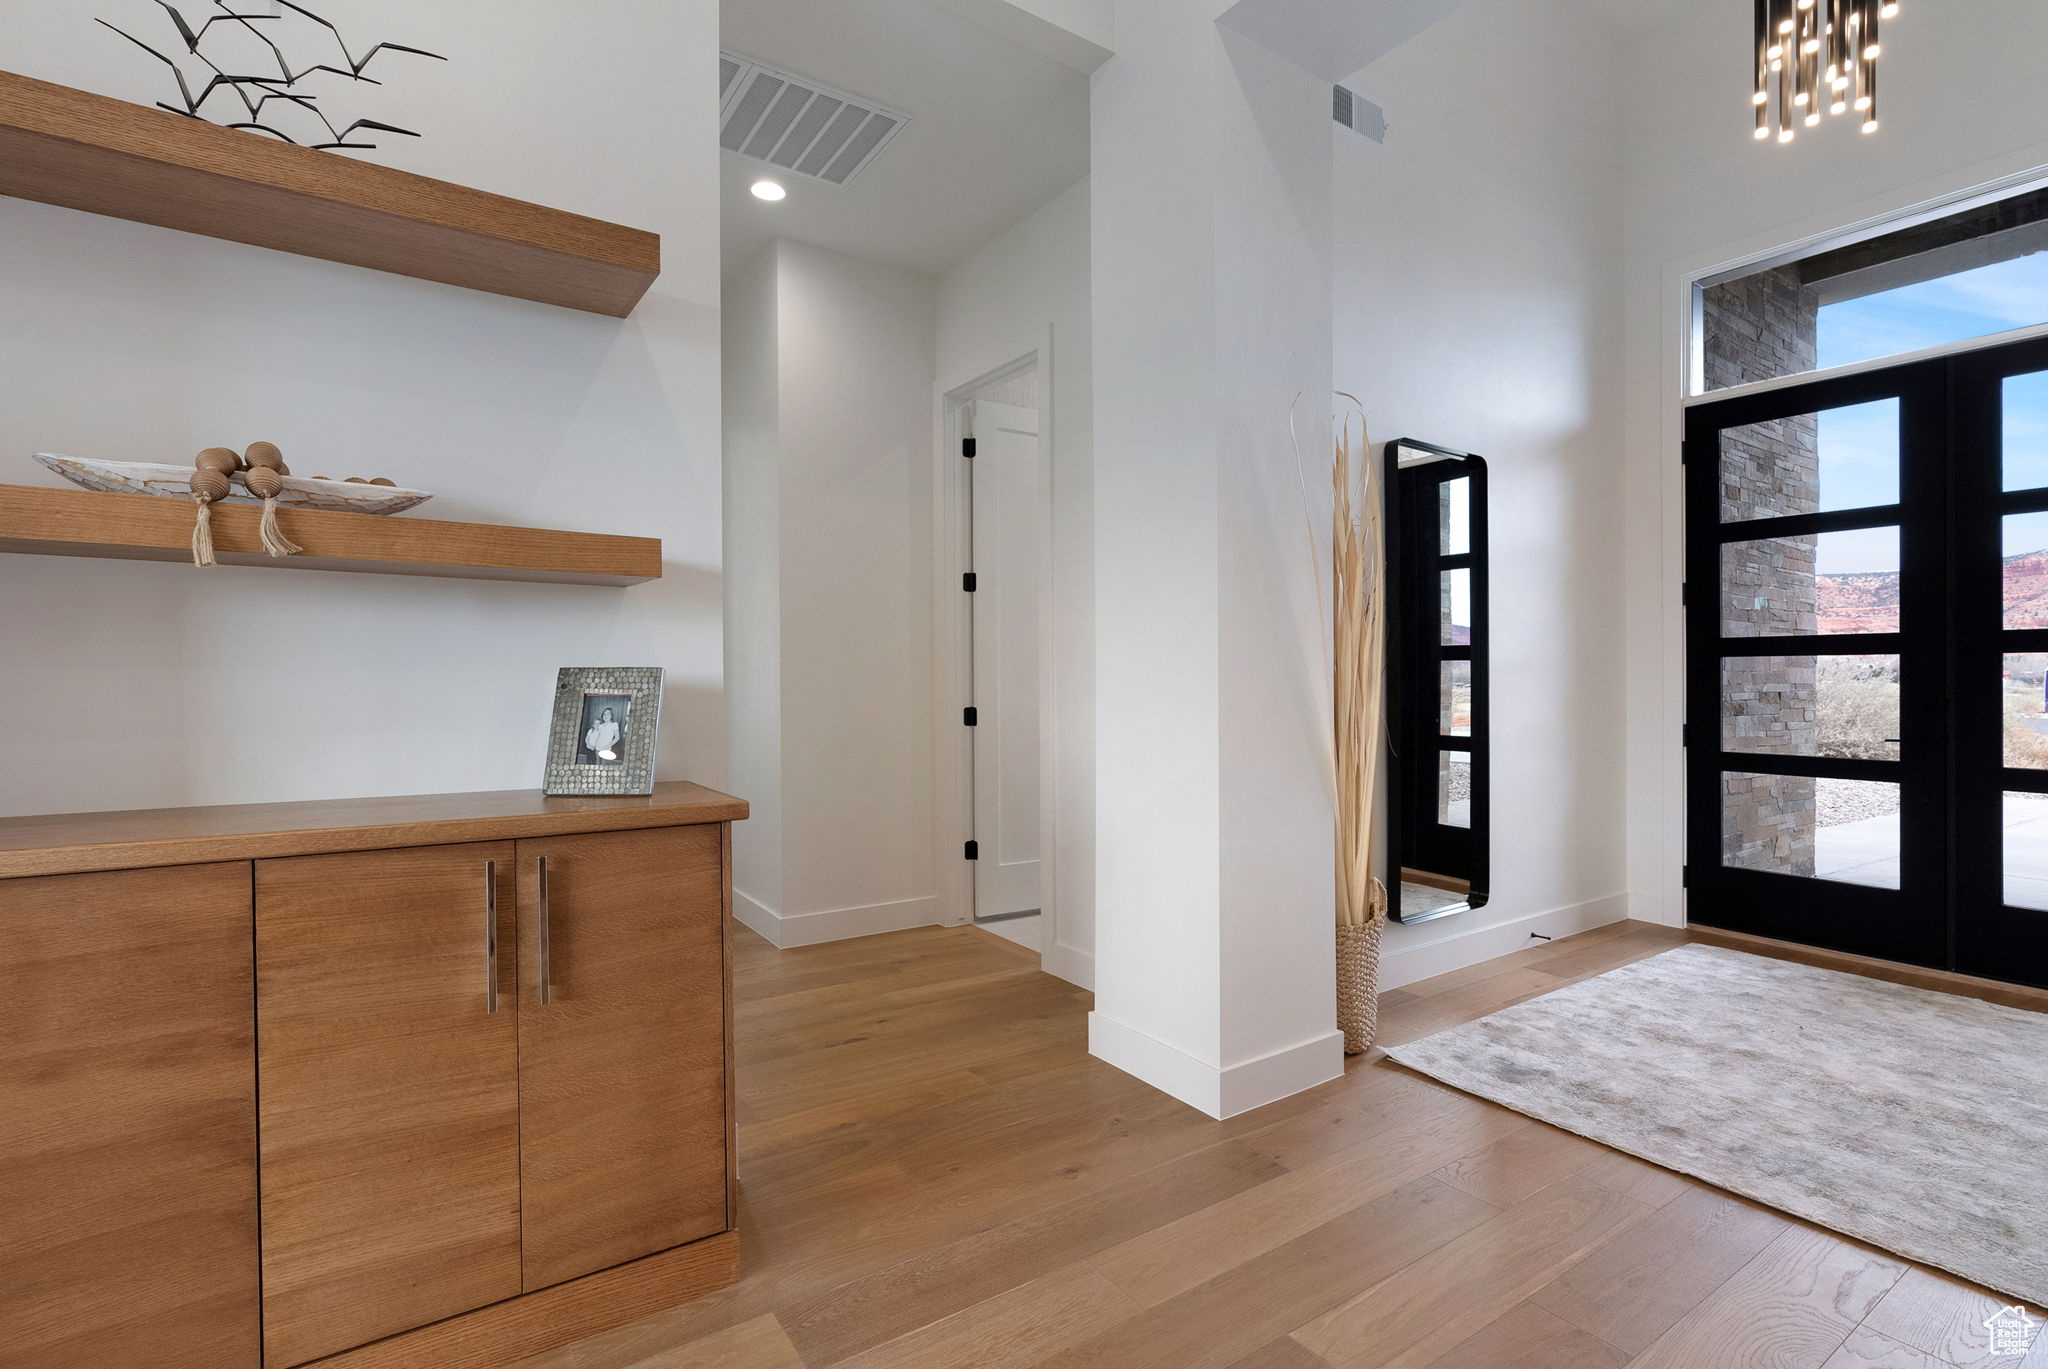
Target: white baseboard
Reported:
point(1406, 962)
point(1220, 1092)
point(1070, 963)
point(788, 930)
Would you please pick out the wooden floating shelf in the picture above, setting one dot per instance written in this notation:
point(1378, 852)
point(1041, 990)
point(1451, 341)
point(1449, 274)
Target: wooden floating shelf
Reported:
point(130, 527)
point(84, 151)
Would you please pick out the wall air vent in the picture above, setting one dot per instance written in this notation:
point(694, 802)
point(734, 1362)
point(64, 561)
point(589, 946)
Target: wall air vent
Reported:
point(799, 125)
point(1358, 114)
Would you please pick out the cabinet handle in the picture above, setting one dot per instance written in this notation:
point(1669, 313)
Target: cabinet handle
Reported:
point(547, 988)
point(490, 937)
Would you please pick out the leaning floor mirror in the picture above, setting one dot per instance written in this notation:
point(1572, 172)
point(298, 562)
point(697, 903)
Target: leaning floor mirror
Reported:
point(1436, 624)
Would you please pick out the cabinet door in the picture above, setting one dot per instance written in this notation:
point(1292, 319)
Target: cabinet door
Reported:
point(621, 1046)
point(388, 1065)
point(128, 1121)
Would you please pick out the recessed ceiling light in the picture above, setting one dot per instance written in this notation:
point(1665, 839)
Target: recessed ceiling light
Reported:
point(769, 191)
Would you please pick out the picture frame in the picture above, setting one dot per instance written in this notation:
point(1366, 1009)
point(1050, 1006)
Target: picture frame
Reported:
point(607, 720)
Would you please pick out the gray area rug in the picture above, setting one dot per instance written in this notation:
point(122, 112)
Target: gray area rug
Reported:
point(1912, 1120)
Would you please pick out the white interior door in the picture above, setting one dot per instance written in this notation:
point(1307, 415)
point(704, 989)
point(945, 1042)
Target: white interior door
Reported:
point(1008, 561)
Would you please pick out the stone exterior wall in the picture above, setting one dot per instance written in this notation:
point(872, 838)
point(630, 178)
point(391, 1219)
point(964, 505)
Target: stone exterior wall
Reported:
point(1758, 328)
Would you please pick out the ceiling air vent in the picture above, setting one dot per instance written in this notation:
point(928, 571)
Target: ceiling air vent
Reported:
point(1358, 114)
point(798, 124)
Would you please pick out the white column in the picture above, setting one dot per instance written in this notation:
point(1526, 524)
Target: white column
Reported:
point(1212, 301)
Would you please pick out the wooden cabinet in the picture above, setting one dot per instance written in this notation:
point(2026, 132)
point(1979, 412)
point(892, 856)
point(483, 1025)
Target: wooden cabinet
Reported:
point(621, 1047)
point(128, 1121)
point(474, 1052)
point(388, 1069)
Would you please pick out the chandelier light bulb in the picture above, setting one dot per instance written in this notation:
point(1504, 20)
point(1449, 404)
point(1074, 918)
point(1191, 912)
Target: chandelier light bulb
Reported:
point(1812, 59)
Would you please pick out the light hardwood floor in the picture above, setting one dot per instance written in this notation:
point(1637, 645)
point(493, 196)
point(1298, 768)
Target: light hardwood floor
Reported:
point(934, 1173)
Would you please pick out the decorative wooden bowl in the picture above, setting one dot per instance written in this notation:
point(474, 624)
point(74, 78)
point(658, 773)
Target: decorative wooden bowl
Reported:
point(175, 482)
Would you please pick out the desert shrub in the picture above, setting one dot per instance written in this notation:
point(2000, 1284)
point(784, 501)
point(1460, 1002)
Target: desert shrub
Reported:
point(1858, 709)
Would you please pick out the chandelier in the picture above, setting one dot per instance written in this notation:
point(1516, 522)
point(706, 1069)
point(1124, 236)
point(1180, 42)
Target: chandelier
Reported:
point(1815, 57)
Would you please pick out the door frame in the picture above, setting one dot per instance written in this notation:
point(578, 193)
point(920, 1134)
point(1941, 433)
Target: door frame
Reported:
point(1879, 922)
point(952, 683)
point(1950, 643)
point(1663, 382)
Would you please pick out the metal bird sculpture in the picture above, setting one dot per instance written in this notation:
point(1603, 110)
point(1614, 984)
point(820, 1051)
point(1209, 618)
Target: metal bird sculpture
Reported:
point(355, 64)
point(255, 92)
point(192, 103)
point(192, 35)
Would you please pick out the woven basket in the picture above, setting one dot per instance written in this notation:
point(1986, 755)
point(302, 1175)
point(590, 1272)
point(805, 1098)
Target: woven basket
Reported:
point(1358, 984)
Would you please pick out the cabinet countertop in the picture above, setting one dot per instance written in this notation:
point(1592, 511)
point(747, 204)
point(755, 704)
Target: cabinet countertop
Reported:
point(73, 843)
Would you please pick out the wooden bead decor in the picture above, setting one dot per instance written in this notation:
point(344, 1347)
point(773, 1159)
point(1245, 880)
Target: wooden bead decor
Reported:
point(207, 486)
point(263, 474)
point(210, 485)
point(266, 483)
point(261, 470)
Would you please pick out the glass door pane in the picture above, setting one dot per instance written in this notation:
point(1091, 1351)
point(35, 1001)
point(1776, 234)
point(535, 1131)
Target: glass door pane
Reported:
point(1820, 554)
point(2000, 796)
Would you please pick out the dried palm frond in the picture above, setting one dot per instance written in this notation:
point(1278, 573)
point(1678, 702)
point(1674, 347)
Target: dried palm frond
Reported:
point(1357, 603)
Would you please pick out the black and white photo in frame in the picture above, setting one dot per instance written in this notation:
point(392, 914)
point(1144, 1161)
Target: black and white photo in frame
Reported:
point(605, 724)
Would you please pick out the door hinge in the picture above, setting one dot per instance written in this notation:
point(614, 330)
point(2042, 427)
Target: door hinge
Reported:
point(970, 717)
point(1685, 877)
point(967, 448)
point(1685, 595)
point(974, 850)
point(967, 582)
point(1685, 734)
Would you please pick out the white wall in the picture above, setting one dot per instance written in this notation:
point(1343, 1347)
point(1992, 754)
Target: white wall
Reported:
point(753, 573)
point(839, 623)
point(991, 307)
point(148, 684)
point(1210, 235)
point(1478, 307)
point(1963, 106)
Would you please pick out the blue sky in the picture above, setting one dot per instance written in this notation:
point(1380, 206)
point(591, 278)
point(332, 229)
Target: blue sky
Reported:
point(1859, 445)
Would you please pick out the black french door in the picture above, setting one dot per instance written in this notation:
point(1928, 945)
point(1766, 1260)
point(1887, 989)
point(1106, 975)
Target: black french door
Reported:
point(1867, 677)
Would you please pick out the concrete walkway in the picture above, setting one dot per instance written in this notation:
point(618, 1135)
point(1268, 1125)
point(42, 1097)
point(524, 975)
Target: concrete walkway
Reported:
point(1867, 851)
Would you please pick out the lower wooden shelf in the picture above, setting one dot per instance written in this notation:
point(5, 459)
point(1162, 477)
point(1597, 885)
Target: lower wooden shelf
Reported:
point(125, 527)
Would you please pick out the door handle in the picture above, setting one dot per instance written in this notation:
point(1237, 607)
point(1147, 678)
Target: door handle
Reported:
point(490, 938)
point(547, 988)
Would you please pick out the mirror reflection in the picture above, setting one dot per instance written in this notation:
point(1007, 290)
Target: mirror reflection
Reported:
point(1436, 670)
